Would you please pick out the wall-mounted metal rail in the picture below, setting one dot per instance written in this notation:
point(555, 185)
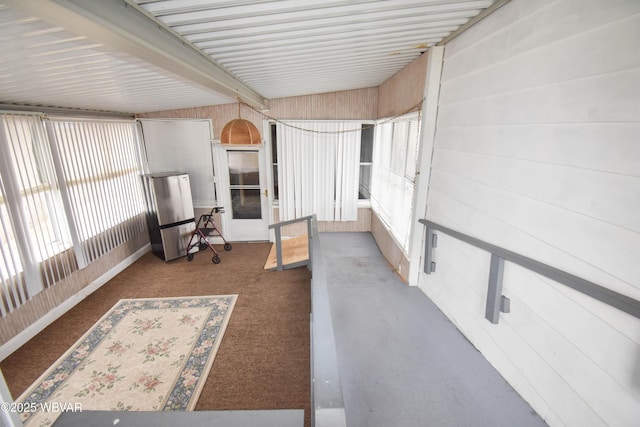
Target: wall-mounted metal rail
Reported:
point(277, 227)
point(495, 301)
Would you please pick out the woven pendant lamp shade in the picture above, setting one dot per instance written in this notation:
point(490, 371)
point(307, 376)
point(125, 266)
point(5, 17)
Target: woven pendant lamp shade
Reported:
point(240, 132)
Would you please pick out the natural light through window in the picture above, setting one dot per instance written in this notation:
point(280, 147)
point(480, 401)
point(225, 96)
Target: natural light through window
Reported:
point(71, 192)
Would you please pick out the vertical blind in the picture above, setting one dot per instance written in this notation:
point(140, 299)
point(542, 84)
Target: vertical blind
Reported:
point(393, 174)
point(39, 236)
point(11, 277)
point(318, 170)
point(70, 193)
point(102, 180)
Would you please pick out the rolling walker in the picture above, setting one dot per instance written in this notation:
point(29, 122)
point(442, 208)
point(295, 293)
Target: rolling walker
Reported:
point(206, 227)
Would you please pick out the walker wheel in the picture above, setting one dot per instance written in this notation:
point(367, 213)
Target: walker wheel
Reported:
point(203, 246)
point(215, 259)
point(227, 246)
point(189, 257)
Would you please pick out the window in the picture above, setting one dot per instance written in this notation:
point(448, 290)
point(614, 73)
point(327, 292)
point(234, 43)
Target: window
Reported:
point(366, 160)
point(69, 193)
point(393, 174)
point(36, 229)
point(404, 147)
point(11, 278)
point(316, 169)
point(399, 147)
point(413, 143)
point(274, 162)
point(101, 172)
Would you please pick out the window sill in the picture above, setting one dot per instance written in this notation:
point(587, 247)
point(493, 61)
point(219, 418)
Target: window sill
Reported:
point(362, 203)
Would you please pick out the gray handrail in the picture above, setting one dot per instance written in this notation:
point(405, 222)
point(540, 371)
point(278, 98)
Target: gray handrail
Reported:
point(277, 227)
point(605, 295)
point(292, 221)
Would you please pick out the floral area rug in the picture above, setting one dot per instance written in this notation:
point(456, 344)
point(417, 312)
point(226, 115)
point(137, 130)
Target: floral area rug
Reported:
point(143, 355)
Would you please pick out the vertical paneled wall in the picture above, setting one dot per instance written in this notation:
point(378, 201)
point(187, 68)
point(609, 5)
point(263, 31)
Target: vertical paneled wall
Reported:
point(402, 90)
point(355, 104)
point(538, 150)
point(220, 115)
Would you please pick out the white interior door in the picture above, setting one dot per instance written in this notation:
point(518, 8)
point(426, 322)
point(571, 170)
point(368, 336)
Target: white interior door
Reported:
point(244, 192)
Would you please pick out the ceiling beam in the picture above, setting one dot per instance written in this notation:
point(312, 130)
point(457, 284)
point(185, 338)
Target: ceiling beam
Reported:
point(118, 25)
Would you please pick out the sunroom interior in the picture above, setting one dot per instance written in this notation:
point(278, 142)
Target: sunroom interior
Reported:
point(488, 148)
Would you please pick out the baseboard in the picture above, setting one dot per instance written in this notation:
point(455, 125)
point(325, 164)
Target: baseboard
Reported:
point(35, 328)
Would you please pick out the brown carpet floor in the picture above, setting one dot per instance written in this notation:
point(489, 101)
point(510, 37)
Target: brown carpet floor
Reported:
point(263, 361)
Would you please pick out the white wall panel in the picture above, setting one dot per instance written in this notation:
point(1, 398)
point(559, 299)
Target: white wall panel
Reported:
point(583, 55)
point(548, 300)
point(526, 26)
point(537, 151)
point(608, 147)
point(183, 146)
point(452, 288)
point(547, 233)
point(604, 196)
point(609, 97)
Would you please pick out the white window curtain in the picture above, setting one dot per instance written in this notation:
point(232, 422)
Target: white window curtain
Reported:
point(393, 173)
point(318, 169)
point(36, 237)
point(100, 170)
point(12, 280)
point(69, 192)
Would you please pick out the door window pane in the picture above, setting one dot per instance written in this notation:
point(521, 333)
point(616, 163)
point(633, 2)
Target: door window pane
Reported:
point(244, 168)
point(245, 203)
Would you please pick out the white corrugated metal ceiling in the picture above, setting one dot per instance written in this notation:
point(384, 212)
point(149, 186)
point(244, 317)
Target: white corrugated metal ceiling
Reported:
point(293, 47)
point(97, 57)
point(46, 65)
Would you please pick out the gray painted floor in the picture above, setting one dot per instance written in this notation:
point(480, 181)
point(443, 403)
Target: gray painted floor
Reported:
point(401, 361)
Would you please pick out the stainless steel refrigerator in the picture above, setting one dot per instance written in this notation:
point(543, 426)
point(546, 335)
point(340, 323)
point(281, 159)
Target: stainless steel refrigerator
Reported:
point(170, 216)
